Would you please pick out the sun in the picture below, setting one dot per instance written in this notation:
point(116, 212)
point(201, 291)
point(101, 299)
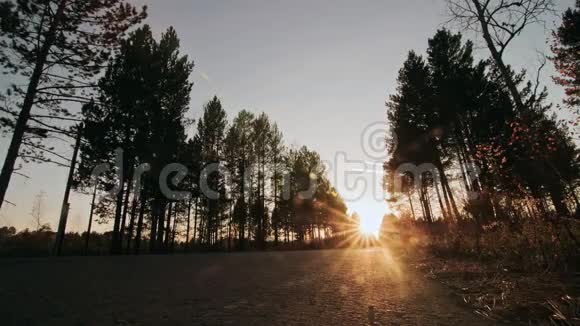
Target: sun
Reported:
point(370, 227)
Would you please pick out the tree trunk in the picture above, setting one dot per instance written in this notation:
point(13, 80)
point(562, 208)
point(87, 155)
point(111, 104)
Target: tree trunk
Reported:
point(124, 215)
point(131, 223)
point(443, 213)
point(445, 184)
point(161, 226)
point(87, 238)
point(557, 196)
point(230, 225)
point(422, 201)
point(174, 229)
point(140, 224)
point(427, 202)
point(188, 224)
point(60, 234)
point(195, 220)
point(168, 227)
point(118, 211)
point(201, 230)
point(264, 217)
point(277, 225)
point(275, 234)
point(242, 235)
point(497, 57)
point(463, 170)
point(411, 204)
point(24, 115)
point(219, 231)
point(154, 220)
point(447, 201)
point(575, 198)
point(209, 221)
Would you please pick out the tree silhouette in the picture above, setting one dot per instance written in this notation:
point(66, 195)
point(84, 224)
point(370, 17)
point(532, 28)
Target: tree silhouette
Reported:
point(143, 99)
point(566, 49)
point(437, 117)
point(58, 46)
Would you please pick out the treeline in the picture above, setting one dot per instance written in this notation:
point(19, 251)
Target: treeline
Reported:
point(40, 242)
point(456, 114)
point(462, 151)
point(236, 186)
point(134, 91)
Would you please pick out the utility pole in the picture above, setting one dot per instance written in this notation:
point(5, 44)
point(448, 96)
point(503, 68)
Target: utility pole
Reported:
point(65, 204)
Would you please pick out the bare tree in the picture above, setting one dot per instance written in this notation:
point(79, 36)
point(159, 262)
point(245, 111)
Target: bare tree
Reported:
point(500, 22)
point(36, 211)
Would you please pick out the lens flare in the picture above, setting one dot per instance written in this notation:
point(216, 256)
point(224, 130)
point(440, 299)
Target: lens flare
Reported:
point(370, 227)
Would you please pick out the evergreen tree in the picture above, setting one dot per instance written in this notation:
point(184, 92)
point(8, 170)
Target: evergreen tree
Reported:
point(211, 130)
point(566, 49)
point(437, 117)
point(143, 99)
point(58, 46)
point(240, 159)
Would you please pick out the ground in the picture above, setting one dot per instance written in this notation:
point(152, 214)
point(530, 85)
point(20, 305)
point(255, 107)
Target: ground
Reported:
point(335, 287)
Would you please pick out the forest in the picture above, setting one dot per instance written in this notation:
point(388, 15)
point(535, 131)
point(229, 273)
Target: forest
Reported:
point(483, 168)
point(476, 150)
point(256, 177)
point(258, 192)
point(209, 213)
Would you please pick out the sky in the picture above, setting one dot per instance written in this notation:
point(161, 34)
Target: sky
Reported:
point(322, 70)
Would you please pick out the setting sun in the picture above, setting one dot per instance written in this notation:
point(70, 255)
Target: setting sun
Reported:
point(370, 226)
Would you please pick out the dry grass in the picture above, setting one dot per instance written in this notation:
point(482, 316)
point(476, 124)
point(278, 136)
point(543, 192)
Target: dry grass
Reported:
point(524, 273)
point(497, 293)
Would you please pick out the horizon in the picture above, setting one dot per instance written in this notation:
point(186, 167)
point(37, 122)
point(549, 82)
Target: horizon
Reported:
point(300, 63)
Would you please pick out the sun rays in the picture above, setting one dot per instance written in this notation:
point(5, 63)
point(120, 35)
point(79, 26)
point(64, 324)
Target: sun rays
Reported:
point(370, 227)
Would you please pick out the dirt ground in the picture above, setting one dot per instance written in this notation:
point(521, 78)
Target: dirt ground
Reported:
point(336, 287)
point(514, 296)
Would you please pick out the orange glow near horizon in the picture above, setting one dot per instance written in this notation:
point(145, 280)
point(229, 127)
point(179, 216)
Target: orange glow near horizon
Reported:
point(370, 226)
point(371, 214)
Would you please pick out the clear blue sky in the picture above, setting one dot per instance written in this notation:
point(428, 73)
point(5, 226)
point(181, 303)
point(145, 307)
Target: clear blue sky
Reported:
point(321, 69)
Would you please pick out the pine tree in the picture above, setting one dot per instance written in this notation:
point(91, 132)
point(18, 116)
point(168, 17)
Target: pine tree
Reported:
point(143, 99)
point(58, 46)
point(261, 138)
point(211, 130)
point(566, 49)
point(239, 160)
